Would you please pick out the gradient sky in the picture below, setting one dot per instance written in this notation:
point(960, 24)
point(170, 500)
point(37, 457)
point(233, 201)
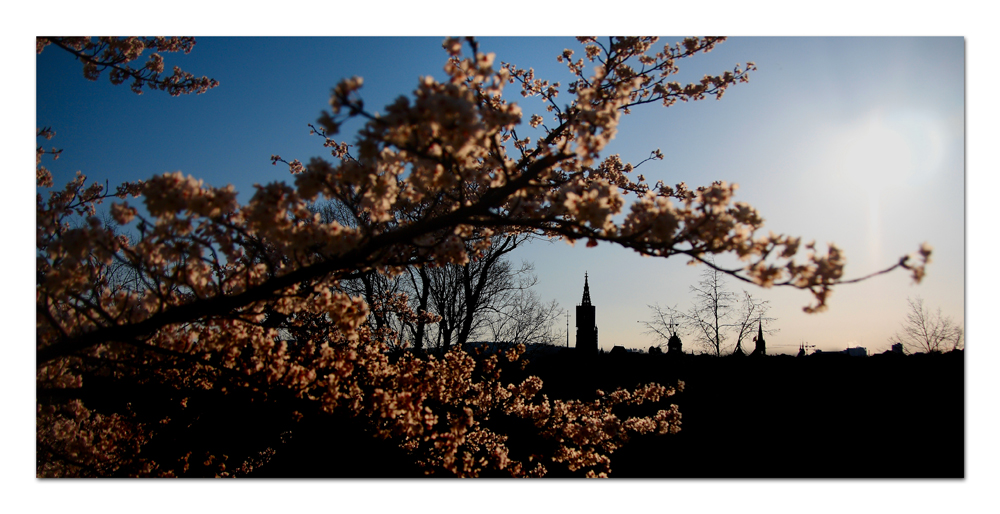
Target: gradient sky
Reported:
point(857, 141)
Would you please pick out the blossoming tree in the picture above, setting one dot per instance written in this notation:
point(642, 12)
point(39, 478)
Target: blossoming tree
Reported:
point(434, 179)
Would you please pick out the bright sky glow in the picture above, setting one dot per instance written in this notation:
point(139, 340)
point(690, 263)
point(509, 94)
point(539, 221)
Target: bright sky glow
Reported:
point(857, 141)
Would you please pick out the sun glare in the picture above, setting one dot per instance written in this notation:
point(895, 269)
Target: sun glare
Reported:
point(889, 150)
point(877, 156)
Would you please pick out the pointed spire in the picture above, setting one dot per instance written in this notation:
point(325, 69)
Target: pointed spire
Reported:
point(759, 350)
point(586, 290)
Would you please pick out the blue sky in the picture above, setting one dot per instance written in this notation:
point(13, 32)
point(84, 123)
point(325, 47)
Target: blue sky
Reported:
point(857, 141)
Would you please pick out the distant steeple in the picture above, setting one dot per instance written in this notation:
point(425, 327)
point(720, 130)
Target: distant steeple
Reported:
point(586, 323)
point(760, 349)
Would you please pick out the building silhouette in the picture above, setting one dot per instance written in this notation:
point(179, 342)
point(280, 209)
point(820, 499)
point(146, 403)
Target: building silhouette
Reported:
point(674, 346)
point(858, 351)
point(586, 323)
point(760, 350)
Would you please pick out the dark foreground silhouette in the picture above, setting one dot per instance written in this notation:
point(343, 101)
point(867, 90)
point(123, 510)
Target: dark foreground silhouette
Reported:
point(820, 416)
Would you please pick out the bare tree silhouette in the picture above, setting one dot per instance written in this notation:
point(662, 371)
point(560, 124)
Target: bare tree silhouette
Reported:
point(927, 331)
point(715, 313)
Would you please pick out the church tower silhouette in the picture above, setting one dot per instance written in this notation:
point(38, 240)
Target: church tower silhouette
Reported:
point(586, 327)
point(759, 350)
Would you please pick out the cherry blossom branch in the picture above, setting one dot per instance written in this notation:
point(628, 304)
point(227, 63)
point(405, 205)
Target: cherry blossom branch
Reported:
point(115, 54)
